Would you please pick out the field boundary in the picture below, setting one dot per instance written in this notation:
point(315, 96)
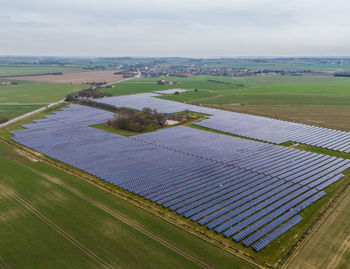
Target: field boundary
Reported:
point(138, 202)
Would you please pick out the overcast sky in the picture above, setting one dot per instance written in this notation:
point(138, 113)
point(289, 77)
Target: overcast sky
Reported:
point(191, 28)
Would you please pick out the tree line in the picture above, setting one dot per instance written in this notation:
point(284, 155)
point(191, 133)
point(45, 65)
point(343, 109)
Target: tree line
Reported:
point(92, 92)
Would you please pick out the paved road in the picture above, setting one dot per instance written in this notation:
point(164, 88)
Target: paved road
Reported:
point(120, 81)
point(3, 125)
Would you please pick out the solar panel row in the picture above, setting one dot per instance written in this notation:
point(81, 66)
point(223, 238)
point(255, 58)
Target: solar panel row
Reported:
point(261, 128)
point(277, 233)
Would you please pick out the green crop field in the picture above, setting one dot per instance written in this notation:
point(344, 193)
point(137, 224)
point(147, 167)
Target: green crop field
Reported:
point(8, 70)
point(272, 84)
point(27, 96)
point(27, 92)
point(51, 219)
point(316, 100)
point(275, 99)
point(13, 111)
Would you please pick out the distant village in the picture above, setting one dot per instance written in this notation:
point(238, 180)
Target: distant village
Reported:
point(152, 71)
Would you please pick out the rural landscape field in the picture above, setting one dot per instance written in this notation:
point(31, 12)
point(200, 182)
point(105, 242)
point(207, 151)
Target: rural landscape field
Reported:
point(175, 134)
point(42, 194)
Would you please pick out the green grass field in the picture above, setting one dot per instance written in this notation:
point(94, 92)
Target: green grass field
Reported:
point(276, 99)
point(54, 220)
point(270, 90)
point(7, 70)
point(318, 100)
point(16, 100)
point(13, 111)
point(275, 87)
point(27, 92)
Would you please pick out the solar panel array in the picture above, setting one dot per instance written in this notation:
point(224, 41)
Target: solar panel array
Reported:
point(250, 191)
point(261, 128)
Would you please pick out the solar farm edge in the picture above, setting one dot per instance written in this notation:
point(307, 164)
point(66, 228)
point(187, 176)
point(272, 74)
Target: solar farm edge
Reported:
point(200, 232)
point(90, 190)
point(142, 203)
point(288, 144)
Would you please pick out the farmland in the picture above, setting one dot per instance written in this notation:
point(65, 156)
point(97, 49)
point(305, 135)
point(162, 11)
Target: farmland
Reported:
point(9, 70)
point(335, 117)
point(271, 255)
point(76, 77)
point(13, 111)
point(92, 230)
point(251, 84)
point(330, 248)
point(321, 101)
point(33, 92)
point(27, 92)
point(89, 220)
point(27, 96)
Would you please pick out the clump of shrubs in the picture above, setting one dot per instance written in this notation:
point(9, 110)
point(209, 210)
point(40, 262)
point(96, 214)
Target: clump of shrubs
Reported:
point(131, 120)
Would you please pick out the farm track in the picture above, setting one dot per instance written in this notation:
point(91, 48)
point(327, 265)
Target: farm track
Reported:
point(119, 217)
point(70, 238)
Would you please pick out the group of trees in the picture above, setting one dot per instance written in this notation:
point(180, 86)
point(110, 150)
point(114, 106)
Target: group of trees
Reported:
point(87, 93)
point(128, 119)
point(91, 103)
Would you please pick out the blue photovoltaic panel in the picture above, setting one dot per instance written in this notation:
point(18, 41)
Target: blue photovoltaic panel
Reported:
point(242, 188)
point(261, 128)
point(277, 233)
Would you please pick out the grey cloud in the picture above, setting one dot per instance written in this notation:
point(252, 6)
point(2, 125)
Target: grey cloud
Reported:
point(174, 28)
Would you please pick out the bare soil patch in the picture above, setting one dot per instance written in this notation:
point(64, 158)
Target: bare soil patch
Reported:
point(76, 77)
